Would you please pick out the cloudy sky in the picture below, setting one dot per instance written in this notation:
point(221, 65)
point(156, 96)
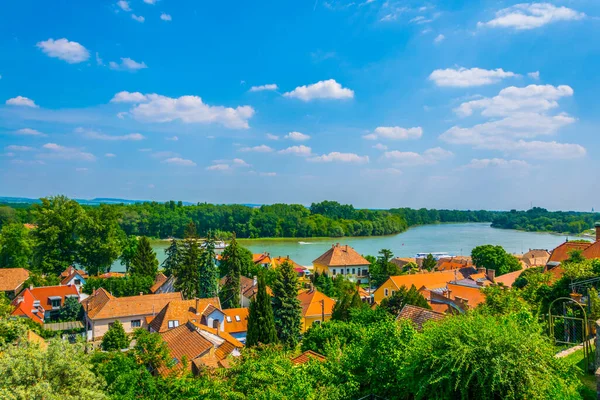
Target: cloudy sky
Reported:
point(447, 104)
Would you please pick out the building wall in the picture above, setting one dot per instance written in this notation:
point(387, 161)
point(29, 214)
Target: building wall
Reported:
point(380, 293)
point(347, 271)
point(100, 327)
point(308, 321)
point(216, 315)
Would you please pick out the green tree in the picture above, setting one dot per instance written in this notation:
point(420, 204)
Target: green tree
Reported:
point(144, 263)
point(495, 257)
point(575, 256)
point(174, 257)
point(429, 262)
point(208, 273)
point(125, 378)
point(62, 371)
point(15, 246)
point(261, 323)
point(8, 215)
point(382, 268)
point(55, 238)
point(501, 300)
point(396, 302)
point(115, 338)
point(187, 271)
point(231, 266)
point(150, 350)
point(99, 239)
point(128, 252)
point(348, 301)
point(287, 310)
point(71, 310)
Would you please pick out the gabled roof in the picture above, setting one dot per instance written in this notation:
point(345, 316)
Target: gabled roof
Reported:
point(219, 334)
point(45, 293)
point(25, 308)
point(94, 303)
point(402, 261)
point(184, 341)
point(263, 258)
point(341, 256)
point(419, 315)
point(182, 311)
point(307, 356)
point(158, 282)
point(592, 251)
point(472, 295)
point(234, 314)
point(277, 261)
point(508, 279)
point(117, 307)
point(310, 300)
point(431, 280)
point(12, 278)
point(561, 252)
point(71, 270)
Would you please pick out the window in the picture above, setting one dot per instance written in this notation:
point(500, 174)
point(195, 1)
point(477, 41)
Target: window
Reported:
point(333, 272)
point(77, 282)
point(173, 324)
point(136, 323)
point(316, 322)
point(364, 272)
point(386, 292)
point(353, 271)
point(55, 303)
point(342, 271)
point(216, 323)
point(228, 318)
point(393, 291)
point(237, 318)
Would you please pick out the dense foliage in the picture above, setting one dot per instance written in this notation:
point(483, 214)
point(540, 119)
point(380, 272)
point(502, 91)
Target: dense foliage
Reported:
point(261, 323)
point(131, 285)
point(115, 338)
point(495, 257)
point(540, 219)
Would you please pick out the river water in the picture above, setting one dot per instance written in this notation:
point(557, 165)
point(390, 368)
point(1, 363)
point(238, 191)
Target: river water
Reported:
point(456, 239)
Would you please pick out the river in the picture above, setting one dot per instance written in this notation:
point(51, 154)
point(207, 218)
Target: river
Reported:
point(456, 239)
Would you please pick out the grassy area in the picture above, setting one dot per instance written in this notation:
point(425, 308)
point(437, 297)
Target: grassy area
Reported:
point(586, 377)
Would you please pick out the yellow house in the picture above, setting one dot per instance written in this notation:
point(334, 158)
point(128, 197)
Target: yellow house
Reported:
point(343, 260)
point(432, 280)
point(316, 308)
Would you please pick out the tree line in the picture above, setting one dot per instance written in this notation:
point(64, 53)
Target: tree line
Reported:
point(541, 220)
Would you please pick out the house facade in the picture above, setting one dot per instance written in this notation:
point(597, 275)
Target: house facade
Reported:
point(73, 276)
point(43, 303)
point(343, 260)
point(316, 308)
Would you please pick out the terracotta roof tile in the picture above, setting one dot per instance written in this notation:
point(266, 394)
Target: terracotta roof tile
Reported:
point(419, 315)
point(341, 256)
point(310, 300)
point(234, 314)
point(12, 278)
point(508, 279)
point(116, 307)
point(431, 280)
point(71, 270)
point(158, 282)
point(184, 341)
point(182, 311)
point(472, 295)
point(561, 252)
point(307, 356)
point(277, 261)
point(43, 294)
point(223, 335)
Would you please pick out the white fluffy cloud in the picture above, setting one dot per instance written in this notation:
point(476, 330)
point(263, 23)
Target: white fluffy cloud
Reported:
point(263, 148)
point(380, 146)
point(531, 15)
point(439, 39)
point(166, 17)
point(496, 163)
point(123, 5)
point(395, 133)
point(187, 109)
point(91, 134)
point(127, 64)
point(262, 88)
point(56, 151)
point(463, 77)
point(409, 158)
point(129, 97)
point(21, 101)
point(297, 150)
point(71, 52)
point(218, 167)
point(328, 89)
point(29, 132)
point(179, 161)
point(297, 136)
point(336, 156)
point(138, 18)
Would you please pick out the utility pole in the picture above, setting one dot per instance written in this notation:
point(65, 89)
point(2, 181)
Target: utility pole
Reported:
point(322, 310)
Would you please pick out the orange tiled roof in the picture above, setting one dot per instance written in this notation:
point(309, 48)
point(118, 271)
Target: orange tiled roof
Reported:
point(263, 258)
point(310, 300)
point(277, 261)
point(307, 356)
point(440, 307)
point(182, 311)
point(111, 275)
point(450, 265)
point(431, 280)
point(473, 296)
point(96, 301)
point(419, 315)
point(26, 308)
point(158, 282)
point(71, 270)
point(185, 341)
point(116, 307)
point(43, 294)
point(508, 279)
point(236, 326)
point(12, 278)
point(341, 256)
point(592, 251)
point(223, 335)
point(561, 252)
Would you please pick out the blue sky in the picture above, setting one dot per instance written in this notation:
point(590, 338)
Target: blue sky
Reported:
point(448, 104)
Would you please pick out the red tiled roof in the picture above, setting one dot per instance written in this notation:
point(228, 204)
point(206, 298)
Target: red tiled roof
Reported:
point(116, 307)
point(508, 279)
point(182, 311)
point(236, 326)
point(431, 280)
point(561, 252)
point(341, 256)
point(12, 278)
point(419, 315)
point(43, 294)
point(184, 341)
point(71, 270)
point(307, 356)
point(592, 251)
point(472, 295)
point(26, 308)
point(310, 300)
point(158, 282)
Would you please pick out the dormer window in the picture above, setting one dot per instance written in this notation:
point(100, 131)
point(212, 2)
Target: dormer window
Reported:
point(228, 318)
point(173, 324)
point(237, 318)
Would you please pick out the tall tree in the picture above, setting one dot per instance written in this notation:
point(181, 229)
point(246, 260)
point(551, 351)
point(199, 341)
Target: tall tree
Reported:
point(495, 257)
point(429, 262)
point(15, 246)
point(261, 324)
point(208, 274)
point(187, 271)
point(174, 255)
point(129, 245)
point(382, 268)
point(144, 263)
point(348, 301)
point(286, 305)
point(8, 215)
point(115, 338)
point(231, 266)
point(99, 243)
point(56, 241)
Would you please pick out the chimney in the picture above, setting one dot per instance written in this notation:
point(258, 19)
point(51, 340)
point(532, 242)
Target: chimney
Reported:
point(141, 293)
point(197, 306)
point(346, 248)
point(597, 226)
point(491, 275)
point(481, 270)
